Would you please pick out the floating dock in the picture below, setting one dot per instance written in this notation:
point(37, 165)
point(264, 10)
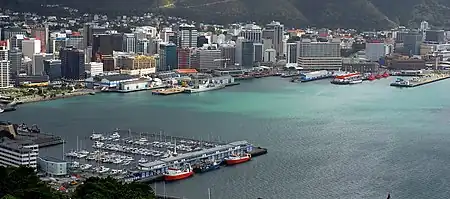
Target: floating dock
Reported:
point(419, 81)
point(168, 91)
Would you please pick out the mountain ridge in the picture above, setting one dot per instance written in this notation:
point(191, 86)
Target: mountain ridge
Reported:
point(362, 14)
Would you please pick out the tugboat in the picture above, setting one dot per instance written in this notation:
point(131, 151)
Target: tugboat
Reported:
point(237, 159)
point(378, 76)
point(173, 174)
point(371, 77)
point(385, 74)
point(207, 166)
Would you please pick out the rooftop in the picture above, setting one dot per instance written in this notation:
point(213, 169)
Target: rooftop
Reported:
point(118, 77)
point(52, 159)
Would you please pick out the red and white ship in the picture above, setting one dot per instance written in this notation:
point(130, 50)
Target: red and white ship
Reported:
point(237, 159)
point(173, 174)
point(347, 76)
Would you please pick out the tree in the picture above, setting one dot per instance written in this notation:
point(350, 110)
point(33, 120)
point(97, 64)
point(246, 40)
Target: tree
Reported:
point(22, 183)
point(110, 188)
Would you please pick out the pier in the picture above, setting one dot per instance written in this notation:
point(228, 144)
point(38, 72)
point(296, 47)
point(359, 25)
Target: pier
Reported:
point(33, 134)
point(419, 81)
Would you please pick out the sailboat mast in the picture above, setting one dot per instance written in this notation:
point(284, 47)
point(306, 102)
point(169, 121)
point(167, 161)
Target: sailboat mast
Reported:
point(209, 193)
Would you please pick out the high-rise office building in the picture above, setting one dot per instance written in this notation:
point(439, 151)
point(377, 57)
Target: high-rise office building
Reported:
point(435, 36)
point(72, 63)
point(129, 43)
point(277, 30)
point(52, 68)
point(270, 55)
point(377, 50)
point(5, 71)
point(238, 51)
point(252, 33)
point(89, 30)
point(41, 33)
point(187, 36)
point(184, 58)
point(259, 52)
point(105, 44)
point(16, 41)
point(209, 59)
point(37, 67)
point(75, 40)
point(228, 55)
point(168, 57)
point(15, 59)
point(30, 47)
point(291, 53)
point(248, 53)
point(143, 47)
point(319, 55)
point(411, 43)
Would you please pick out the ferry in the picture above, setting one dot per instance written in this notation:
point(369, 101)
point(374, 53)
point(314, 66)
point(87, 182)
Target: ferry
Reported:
point(173, 174)
point(355, 81)
point(236, 159)
point(207, 85)
point(316, 75)
point(346, 78)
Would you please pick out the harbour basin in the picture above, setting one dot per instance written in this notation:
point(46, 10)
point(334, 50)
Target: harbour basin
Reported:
point(324, 141)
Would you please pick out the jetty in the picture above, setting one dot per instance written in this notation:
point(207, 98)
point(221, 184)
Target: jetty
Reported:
point(419, 81)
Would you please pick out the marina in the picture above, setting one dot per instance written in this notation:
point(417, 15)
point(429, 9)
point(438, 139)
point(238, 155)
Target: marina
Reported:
point(150, 157)
point(419, 81)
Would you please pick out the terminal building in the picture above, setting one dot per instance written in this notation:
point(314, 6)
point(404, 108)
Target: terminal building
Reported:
point(52, 166)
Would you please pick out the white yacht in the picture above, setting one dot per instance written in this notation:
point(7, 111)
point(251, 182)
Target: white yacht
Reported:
point(96, 136)
point(102, 169)
point(143, 140)
point(142, 160)
point(85, 166)
point(115, 135)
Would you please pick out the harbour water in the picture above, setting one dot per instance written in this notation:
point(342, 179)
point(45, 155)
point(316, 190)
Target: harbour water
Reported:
point(325, 141)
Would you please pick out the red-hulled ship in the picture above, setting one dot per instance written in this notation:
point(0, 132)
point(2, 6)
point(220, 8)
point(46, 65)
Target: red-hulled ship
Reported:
point(371, 77)
point(385, 74)
point(237, 159)
point(173, 174)
point(346, 76)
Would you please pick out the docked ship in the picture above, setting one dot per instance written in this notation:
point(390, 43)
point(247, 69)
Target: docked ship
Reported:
point(371, 77)
point(207, 166)
point(316, 75)
point(349, 78)
point(173, 174)
point(237, 159)
point(385, 74)
point(210, 84)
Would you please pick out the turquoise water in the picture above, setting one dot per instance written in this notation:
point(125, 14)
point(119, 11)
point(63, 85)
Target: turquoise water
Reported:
point(324, 140)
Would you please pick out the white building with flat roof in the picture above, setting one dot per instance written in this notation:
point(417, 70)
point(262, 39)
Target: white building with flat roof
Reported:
point(30, 47)
point(18, 153)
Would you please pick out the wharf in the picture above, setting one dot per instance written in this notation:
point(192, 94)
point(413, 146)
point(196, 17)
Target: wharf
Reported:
point(22, 132)
point(232, 84)
point(168, 91)
point(419, 81)
point(142, 89)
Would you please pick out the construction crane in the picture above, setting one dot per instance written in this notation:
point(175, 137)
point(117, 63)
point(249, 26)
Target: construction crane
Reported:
point(225, 63)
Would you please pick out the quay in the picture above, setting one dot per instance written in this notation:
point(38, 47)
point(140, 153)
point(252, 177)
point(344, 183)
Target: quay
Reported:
point(168, 91)
point(419, 81)
point(33, 134)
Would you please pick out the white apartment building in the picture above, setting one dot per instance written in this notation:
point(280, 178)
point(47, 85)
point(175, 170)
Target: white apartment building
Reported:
point(18, 153)
point(5, 68)
point(94, 68)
